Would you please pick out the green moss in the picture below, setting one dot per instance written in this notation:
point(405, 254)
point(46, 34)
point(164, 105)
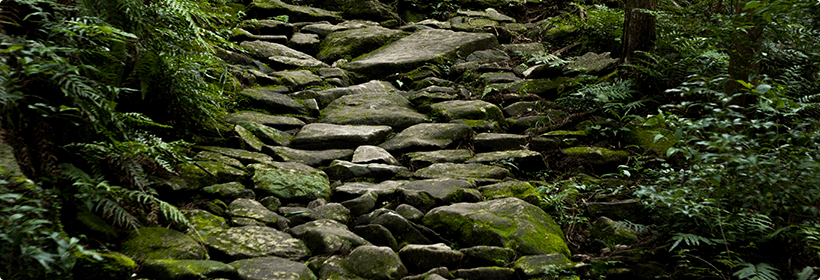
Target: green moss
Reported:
point(566, 133)
point(111, 266)
point(596, 155)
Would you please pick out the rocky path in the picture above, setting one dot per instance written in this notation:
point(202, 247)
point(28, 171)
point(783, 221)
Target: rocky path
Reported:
point(374, 150)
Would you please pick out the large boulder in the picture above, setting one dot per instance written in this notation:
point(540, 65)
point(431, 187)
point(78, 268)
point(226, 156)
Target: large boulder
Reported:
point(349, 44)
point(162, 243)
point(385, 108)
point(428, 136)
point(371, 262)
point(290, 180)
point(433, 46)
point(256, 241)
point(508, 222)
point(323, 136)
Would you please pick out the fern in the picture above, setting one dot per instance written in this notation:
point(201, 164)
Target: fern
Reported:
point(761, 271)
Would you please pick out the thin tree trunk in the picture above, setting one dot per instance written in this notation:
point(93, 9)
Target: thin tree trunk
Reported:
point(639, 28)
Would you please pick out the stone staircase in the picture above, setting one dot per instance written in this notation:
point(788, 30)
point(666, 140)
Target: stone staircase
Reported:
point(377, 151)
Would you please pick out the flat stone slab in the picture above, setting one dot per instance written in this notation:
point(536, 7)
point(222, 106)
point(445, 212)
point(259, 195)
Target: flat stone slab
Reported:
point(420, 258)
point(278, 122)
point(538, 265)
point(428, 136)
point(522, 159)
point(424, 159)
point(252, 209)
point(462, 171)
point(373, 154)
point(489, 142)
point(385, 108)
point(273, 101)
point(256, 241)
point(326, 96)
point(384, 188)
point(344, 170)
point(290, 181)
point(272, 8)
point(444, 190)
point(267, 134)
point(279, 55)
point(244, 156)
point(467, 109)
point(314, 158)
point(272, 268)
point(597, 155)
point(186, 269)
point(298, 79)
point(321, 136)
point(508, 222)
point(433, 46)
point(355, 42)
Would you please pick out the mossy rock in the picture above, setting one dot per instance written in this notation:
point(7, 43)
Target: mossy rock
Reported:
point(112, 266)
point(650, 134)
point(613, 232)
point(508, 222)
point(549, 88)
point(597, 155)
point(187, 269)
point(162, 243)
point(518, 189)
point(290, 180)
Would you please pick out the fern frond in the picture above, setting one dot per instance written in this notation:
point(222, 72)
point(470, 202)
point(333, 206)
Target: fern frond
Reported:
point(761, 271)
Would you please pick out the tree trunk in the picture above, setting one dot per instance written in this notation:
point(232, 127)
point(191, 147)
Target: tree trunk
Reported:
point(639, 28)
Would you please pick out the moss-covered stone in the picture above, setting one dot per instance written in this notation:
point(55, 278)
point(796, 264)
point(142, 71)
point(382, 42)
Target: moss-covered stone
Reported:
point(613, 232)
point(289, 180)
point(549, 88)
point(256, 241)
point(162, 243)
point(540, 265)
point(187, 269)
point(355, 42)
point(272, 8)
point(650, 135)
point(597, 155)
point(462, 171)
point(518, 189)
point(204, 222)
point(508, 222)
point(372, 262)
point(114, 266)
point(199, 174)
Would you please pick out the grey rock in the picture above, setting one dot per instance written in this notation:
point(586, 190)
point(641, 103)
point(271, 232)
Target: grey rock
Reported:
point(423, 46)
point(444, 190)
point(320, 136)
point(485, 273)
point(467, 109)
point(272, 268)
point(523, 159)
point(248, 140)
point(228, 191)
point(323, 29)
point(308, 43)
point(377, 87)
point(489, 13)
point(268, 135)
point(252, 209)
point(272, 8)
point(373, 154)
point(327, 237)
point(378, 235)
point(278, 54)
point(465, 171)
point(271, 202)
point(512, 188)
point(383, 189)
point(204, 222)
point(418, 258)
point(385, 108)
point(344, 170)
point(409, 212)
point(401, 228)
point(256, 241)
point(217, 157)
point(423, 159)
point(313, 158)
point(372, 262)
point(278, 122)
point(488, 142)
point(244, 156)
point(498, 77)
point(355, 42)
point(298, 79)
point(362, 204)
point(482, 255)
point(239, 34)
point(593, 64)
point(269, 27)
point(428, 136)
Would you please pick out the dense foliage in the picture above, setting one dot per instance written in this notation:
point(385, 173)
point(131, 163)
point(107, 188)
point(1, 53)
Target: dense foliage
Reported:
point(89, 89)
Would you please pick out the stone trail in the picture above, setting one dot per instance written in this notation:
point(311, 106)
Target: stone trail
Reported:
point(361, 157)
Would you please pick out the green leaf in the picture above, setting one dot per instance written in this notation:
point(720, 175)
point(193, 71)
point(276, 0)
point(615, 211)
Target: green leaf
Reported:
point(763, 88)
